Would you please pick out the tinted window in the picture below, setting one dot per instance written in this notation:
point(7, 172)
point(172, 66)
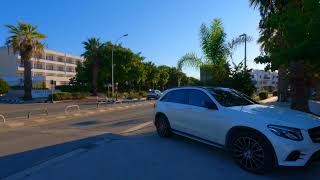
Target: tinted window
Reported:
point(199, 98)
point(229, 97)
point(176, 96)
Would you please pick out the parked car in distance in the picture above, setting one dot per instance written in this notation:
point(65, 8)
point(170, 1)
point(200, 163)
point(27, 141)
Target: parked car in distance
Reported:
point(258, 137)
point(153, 94)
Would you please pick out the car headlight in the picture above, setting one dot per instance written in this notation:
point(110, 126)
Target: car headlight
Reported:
point(286, 132)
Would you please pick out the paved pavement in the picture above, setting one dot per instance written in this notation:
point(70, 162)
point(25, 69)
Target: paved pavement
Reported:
point(120, 144)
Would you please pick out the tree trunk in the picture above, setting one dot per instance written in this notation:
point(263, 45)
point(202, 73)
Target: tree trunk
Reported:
point(27, 76)
point(299, 86)
point(282, 84)
point(95, 79)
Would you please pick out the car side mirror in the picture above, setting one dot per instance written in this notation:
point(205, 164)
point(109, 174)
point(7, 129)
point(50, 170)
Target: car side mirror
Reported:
point(211, 105)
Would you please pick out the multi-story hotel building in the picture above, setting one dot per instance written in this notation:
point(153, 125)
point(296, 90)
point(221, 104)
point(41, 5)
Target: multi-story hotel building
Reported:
point(51, 65)
point(264, 79)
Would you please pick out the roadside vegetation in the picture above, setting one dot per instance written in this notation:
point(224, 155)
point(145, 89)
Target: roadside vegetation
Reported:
point(133, 74)
point(27, 41)
point(290, 43)
point(4, 87)
point(215, 65)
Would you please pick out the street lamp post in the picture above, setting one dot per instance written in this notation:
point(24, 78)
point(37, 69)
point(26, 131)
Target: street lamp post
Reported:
point(245, 49)
point(112, 73)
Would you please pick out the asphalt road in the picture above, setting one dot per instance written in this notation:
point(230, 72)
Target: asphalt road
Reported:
point(121, 144)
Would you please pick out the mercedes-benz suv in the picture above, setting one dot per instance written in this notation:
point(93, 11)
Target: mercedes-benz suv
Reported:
point(259, 137)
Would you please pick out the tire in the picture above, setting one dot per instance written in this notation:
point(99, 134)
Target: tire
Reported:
point(252, 152)
point(163, 126)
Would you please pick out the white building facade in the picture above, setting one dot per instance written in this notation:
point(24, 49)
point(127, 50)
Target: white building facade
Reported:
point(264, 80)
point(51, 65)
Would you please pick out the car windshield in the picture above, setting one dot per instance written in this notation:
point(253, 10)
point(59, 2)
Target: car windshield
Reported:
point(230, 97)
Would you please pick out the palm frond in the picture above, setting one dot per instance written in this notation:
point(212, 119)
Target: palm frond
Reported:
point(189, 59)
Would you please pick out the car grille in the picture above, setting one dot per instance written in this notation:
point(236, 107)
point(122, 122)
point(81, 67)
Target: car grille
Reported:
point(314, 134)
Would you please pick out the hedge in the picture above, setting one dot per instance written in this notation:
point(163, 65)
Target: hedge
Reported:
point(4, 87)
point(67, 96)
point(263, 95)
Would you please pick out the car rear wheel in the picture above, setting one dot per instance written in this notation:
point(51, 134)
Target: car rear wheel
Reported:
point(252, 152)
point(163, 126)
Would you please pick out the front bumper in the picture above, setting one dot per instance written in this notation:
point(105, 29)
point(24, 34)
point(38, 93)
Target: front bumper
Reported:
point(309, 151)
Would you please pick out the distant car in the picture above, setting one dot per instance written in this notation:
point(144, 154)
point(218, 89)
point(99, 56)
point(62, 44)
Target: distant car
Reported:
point(258, 137)
point(153, 94)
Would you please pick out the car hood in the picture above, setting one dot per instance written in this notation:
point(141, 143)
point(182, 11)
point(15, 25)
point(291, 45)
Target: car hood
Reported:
point(279, 116)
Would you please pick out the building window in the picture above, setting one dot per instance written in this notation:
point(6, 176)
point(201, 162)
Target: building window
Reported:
point(60, 59)
point(60, 68)
point(49, 57)
point(70, 61)
point(49, 67)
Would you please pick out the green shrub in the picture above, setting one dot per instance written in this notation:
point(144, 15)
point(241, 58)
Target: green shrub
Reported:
point(263, 95)
point(142, 94)
point(4, 87)
point(60, 96)
point(78, 95)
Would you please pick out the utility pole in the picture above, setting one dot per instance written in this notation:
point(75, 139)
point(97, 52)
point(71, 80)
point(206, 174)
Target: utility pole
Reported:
point(112, 76)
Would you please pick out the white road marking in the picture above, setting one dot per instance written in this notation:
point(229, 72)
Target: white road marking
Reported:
point(61, 117)
point(135, 128)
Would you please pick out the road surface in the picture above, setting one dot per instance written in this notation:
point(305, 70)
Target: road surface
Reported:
point(121, 144)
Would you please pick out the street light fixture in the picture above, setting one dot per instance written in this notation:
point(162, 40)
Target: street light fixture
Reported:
point(245, 49)
point(112, 80)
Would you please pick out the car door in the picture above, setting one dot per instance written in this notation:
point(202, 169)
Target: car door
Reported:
point(176, 107)
point(204, 117)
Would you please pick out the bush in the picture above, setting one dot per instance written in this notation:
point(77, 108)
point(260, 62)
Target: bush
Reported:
point(78, 95)
point(263, 95)
point(142, 94)
point(4, 87)
point(133, 95)
point(275, 93)
point(60, 96)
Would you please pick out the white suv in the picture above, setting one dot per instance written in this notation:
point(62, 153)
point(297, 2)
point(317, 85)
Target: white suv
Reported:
point(259, 137)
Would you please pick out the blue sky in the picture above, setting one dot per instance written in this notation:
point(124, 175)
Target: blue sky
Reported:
point(163, 30)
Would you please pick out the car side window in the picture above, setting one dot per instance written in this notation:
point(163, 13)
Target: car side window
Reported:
point(175, 96)
point(199, 98)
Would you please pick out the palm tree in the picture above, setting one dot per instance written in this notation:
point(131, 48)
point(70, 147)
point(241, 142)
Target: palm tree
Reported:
point(93, 48)
point(214, 47)
point(25, 39)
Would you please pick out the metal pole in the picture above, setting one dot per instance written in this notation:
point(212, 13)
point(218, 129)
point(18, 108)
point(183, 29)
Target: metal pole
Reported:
point(245, 51)
point(112, 73)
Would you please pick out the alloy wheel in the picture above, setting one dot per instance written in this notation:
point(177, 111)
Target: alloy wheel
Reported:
point(248, 152)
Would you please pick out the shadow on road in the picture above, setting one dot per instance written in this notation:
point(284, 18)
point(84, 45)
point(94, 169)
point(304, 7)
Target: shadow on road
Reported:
point(142, 156)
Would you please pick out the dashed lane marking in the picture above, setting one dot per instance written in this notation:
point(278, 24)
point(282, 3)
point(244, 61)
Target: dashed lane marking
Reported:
point(135, 128)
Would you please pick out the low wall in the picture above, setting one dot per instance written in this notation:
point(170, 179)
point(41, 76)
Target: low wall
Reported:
point(314, 107)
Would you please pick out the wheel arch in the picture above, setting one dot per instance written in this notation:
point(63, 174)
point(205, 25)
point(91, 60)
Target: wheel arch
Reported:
point(158, 114)
point(237, 129)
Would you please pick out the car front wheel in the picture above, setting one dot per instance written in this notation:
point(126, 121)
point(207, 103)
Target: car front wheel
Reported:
point(163, 126)
point(252, 152)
